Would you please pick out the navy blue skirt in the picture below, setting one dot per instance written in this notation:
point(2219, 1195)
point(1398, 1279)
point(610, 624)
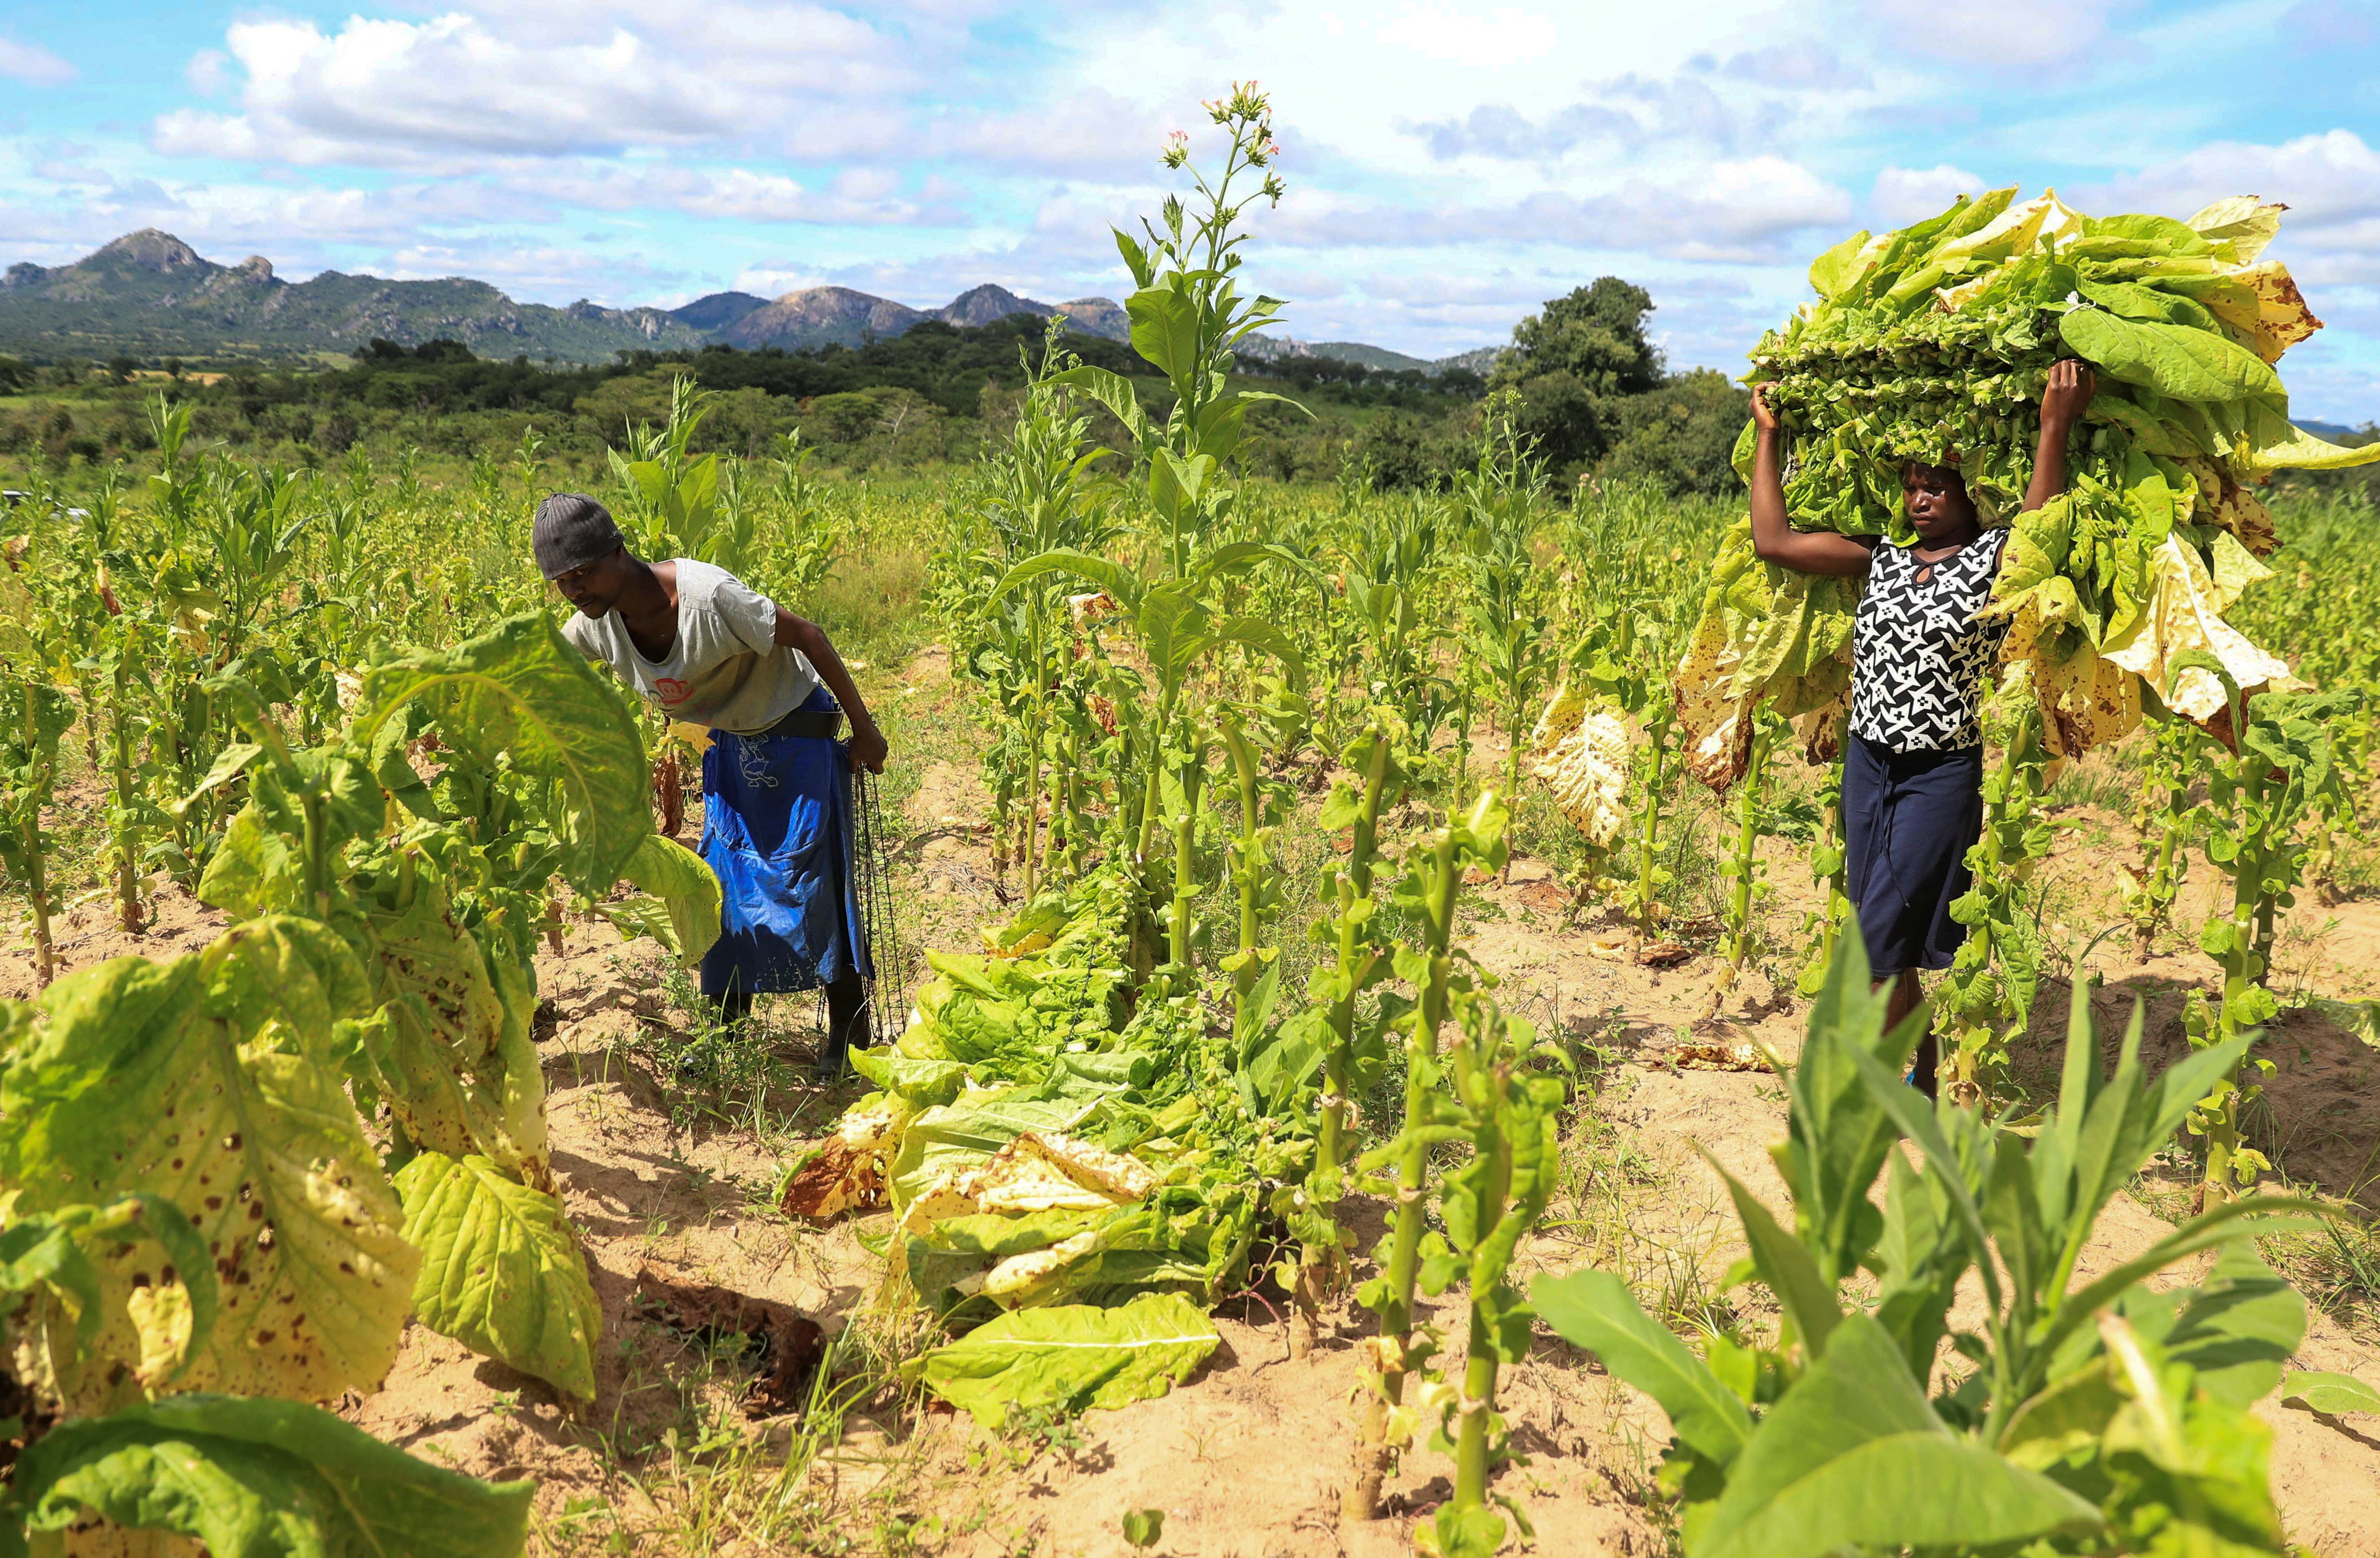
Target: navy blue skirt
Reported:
point(776, 827)
point(1909, 819)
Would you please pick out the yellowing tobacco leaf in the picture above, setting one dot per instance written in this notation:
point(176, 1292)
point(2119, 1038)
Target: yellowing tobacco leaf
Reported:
point(685, 887)
point(501, 1270)
point(2296, 449)
point(1073, 1355)
point(1714, 715)
point(2085, 699)
point(204, 1080)
point(452, 1043)
point(2184, 615)
point(1043, 1170)
point(2282, 317)
point(163, 1319)
point(2234, 567)
point(1582, 744)
point(2245, 222)
point(2223, 501)
point(1013, 1278)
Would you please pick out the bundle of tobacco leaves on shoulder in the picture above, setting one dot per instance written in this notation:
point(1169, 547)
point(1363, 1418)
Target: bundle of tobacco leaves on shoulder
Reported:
point(1933, 344)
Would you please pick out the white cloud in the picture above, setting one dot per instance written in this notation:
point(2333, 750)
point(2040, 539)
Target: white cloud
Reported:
point(1089, 133)
point(1903, 195)
point(460, 87)
point(1629, 112)
point(2330, 182)
point(2003, 34)
point(1731, 211)
point(33, 65)
point(208, 72)
point(859, 196)
point(773, 279)
point(1465, 36)
point(1800, 64)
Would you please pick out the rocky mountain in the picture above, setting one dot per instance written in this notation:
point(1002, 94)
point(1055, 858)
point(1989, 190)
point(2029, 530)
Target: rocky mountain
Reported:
point(1098, 316)
point(816, 316)
point(1478, 359)
point(989, 304)
point(1272, 349)
point(717, 312)
point(149, 295)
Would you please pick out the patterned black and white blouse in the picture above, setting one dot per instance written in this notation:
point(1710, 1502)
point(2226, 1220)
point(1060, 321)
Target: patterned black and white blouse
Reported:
point(1919, 658)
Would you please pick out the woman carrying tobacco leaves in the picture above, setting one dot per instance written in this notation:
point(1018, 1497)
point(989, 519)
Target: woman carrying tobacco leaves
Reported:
point(776, 781)
point(1913, 756)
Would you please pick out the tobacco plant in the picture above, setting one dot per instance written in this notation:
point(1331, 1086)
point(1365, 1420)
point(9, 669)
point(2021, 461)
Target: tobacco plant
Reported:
point(1502, 499)
point(239, 1474)
point(1741, 872)
point(2262, 789)
point(385, 924)
point(2085, 1416)
point(1829, 869)
point(1989, 992)
point(1429, 892)
point(1036, 497)
point(1187, 315)
point(1351, 1032)
point(1506, 1113)
point(2165, 817)
point(33, 717)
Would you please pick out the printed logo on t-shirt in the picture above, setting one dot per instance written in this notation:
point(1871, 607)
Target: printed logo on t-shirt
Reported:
point(671, 689)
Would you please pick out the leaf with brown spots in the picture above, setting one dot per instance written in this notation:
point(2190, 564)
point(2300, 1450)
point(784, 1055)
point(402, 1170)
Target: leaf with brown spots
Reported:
point(214, 1062)
point(451, 1042)
point(256, 1477)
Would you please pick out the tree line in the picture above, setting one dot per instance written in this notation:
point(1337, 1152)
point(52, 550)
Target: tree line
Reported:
point(1592, 388)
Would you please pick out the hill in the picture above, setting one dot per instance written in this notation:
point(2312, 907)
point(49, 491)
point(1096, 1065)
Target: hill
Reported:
point(149, 295)
point(717, 312)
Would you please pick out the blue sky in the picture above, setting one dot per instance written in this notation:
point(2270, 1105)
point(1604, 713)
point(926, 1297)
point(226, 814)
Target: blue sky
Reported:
point(1449, 164)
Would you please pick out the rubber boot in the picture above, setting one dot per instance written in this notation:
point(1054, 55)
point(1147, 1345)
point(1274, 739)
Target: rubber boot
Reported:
point(846, 1016)
point(1923, 1063)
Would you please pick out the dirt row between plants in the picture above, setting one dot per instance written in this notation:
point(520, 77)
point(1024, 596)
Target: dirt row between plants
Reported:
point(687, 1254)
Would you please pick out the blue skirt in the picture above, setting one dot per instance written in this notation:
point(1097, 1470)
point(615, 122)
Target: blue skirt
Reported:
point(776, 827)
point(1909, 819)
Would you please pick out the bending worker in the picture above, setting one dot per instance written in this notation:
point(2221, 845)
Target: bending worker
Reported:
point(776, 781)
point(1913, 760)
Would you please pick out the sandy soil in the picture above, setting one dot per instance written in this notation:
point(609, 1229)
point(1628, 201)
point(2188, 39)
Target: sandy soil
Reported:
point(1247, 1457)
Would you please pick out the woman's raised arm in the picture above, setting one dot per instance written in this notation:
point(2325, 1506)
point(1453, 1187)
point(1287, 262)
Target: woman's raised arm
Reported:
point(2068, 395)
point(1774, 538)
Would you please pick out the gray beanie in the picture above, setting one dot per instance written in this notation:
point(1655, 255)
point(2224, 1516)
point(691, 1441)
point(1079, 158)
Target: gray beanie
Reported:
point(573, 530)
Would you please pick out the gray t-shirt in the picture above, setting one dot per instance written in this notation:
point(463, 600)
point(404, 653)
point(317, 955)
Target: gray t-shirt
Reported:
point(726, 670)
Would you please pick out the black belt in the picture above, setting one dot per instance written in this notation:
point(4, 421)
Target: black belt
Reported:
point(817, 725)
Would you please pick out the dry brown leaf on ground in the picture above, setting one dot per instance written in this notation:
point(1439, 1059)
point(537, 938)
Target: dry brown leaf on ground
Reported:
point(1719, 1057)
point(1546, 897)
point(845, 1172)
point(784, 1343)
point(1663, 955)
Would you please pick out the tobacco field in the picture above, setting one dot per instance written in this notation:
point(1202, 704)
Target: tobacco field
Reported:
point(1377, 1058)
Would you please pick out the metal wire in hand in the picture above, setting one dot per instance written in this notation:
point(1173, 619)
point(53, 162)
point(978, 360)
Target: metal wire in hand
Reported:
point(887, 968)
